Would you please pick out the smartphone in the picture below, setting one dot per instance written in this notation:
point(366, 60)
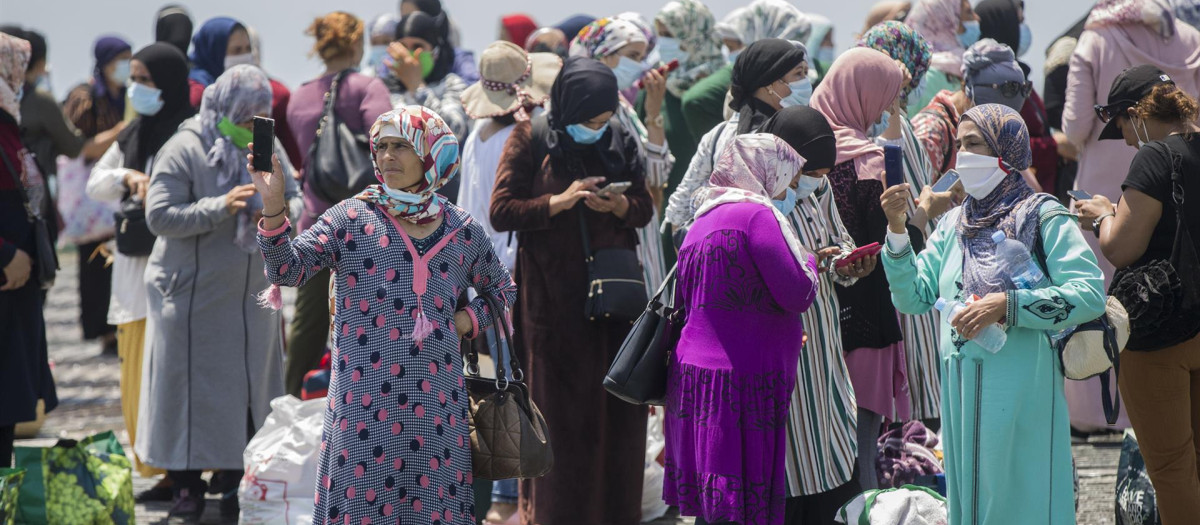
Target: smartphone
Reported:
point(946, 182)
point(860, 252)
point(1080, 195)
point(664, 69)
point(893, 164)
point(264, 140)
point(615, 188)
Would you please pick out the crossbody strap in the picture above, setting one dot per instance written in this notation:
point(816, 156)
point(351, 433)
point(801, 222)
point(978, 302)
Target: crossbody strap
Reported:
point(588, 256)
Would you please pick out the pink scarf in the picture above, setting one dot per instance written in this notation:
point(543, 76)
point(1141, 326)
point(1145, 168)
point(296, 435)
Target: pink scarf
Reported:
point(852, 110)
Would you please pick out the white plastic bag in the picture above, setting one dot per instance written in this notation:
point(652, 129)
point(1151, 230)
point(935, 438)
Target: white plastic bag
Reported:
point(281, 464)
point(653, 506)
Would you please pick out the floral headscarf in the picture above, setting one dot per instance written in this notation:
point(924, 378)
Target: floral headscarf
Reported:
point(904, 44)
point(754, 168)
point(604, 37)
point(692, 23)
point(766, 19)
point(14, 58)
point(1154, 13)
point(1012, 207)
point(438, 148)
point(937, 21)
point(239, 94)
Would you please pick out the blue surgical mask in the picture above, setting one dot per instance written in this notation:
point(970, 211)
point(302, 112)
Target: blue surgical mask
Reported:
point(788, 203)
point(878, 128)
point(1026, 39)
point(734, 54)
point(668, 50)
point(402, 196)
point(121, 73)
point(627, 71)
point(585, 135)
point(375, 58)
point(146, 101)
point(971, 33)
point(806, 185)
point(825, 56)
point(802, 91)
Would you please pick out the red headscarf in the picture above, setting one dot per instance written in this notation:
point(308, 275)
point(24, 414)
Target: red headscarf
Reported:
point(519, 28)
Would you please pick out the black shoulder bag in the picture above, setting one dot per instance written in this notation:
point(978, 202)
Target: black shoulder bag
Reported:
point(45, 259)
point(339, 161)
point(638, 374)
point(616, 284)
point(133, 234)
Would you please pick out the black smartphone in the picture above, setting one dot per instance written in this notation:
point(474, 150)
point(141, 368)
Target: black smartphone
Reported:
point(264, 140)
point(1080, 195)
point(893, 164)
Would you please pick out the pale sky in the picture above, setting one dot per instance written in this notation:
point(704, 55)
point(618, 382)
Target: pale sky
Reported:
point(71, 26)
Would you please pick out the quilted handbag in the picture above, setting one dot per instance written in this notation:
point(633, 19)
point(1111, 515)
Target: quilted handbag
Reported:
point(509, 436)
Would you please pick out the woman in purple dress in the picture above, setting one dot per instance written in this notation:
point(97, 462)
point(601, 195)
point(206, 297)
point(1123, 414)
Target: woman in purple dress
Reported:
point(395, 447)
point(744, 279)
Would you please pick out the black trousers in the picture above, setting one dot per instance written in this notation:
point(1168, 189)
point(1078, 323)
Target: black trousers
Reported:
point(95, 290)
point(7, 435)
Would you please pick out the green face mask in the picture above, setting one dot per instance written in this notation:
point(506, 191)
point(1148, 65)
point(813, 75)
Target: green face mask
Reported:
point(240, 136)
point(426, 60)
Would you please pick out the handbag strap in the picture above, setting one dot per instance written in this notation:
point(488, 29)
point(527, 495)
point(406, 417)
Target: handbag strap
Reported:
point(20, 186)
point(588, 255)
point(330, 99)
point(501, 331)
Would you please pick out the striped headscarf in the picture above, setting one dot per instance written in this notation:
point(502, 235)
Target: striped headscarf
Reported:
point(692, 23)
point(604, 37)
point(438, 148)
point(937, 21)
point(904, 44)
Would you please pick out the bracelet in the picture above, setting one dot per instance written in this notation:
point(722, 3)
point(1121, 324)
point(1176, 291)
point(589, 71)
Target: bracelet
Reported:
point(265, 216)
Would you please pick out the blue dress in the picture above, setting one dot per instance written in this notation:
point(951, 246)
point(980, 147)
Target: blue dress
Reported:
point(396, 447)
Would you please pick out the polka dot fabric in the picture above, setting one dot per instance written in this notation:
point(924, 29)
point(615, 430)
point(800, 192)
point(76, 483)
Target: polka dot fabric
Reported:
point(395, 448)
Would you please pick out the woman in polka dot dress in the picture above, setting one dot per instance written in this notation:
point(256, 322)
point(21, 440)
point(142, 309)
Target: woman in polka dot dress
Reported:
point(396, 447)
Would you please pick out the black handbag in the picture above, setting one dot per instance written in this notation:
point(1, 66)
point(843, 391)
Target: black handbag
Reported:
point(133, 235)
point(338, 165)
point(638, 374)
point(1162, 296)
point(616, 284)
point(45, 258)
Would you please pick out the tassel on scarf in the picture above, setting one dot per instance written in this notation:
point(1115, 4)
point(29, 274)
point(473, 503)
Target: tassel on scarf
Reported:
point(271, 298)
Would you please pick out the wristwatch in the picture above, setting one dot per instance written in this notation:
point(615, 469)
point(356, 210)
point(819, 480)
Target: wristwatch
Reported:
point(657, 121)
point(1096, 223)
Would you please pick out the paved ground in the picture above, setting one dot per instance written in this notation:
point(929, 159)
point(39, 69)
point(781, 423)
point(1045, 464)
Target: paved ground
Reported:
point(90, 402)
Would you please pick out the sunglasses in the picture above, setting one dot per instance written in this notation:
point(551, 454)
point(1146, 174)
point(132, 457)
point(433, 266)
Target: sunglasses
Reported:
point(1010, 88)
point(1111, 111)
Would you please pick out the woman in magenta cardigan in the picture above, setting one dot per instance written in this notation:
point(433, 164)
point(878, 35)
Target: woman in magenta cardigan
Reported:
point(360, 100)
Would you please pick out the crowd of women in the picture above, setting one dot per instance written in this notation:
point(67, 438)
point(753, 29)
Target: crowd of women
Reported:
point(746, 178)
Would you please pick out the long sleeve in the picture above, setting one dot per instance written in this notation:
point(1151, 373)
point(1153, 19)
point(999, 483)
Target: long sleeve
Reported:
point(840, 236)
point(375, 102)
point(107, 181)
point(1079, 117)
point(170, 211)
point(66, 138)
point(489, 278)
point(445, 99)
point(292, 262)
point(679, 205)
point(792, 283)
point(703, 104)
point(514, 207)
point(913, 278)
point(1077, 291)
point(658, 160)
point(933, 132)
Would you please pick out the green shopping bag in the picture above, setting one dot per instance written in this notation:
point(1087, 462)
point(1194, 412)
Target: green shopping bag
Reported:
point(87, 482)
point(10, 487)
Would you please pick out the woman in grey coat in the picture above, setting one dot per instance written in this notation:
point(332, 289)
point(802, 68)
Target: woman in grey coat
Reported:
point(214, 357)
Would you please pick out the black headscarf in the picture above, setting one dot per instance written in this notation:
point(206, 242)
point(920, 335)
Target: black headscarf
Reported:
point(429, 28)
point(584, 89)
point(174, 26)
point(759, 65)
point(147, 134)
point(429, 7)
point(808, 132)
point(998, 21)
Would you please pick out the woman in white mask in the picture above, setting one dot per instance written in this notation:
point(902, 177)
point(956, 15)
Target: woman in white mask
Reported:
point(623, 46)
point(1004, 416)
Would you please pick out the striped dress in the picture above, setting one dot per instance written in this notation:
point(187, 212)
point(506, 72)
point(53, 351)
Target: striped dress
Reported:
point(821, 447)
point(658, 161)
point(920, 331)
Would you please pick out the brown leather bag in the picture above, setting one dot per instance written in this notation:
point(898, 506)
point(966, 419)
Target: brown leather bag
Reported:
point(509, 437)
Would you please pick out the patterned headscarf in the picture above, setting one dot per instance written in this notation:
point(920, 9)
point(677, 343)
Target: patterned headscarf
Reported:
point(637, 20)
point(239, 94)
point(755, 168)
point(904, 44)
point(692, 23)
point(988, 62)
point(438, 148)
point(1012, 207)
point(604, 37)
point(852, 111)
point(1153, 13)
point(1187, 11)
point(14, 58)
point(937, 21)
point(765, 19)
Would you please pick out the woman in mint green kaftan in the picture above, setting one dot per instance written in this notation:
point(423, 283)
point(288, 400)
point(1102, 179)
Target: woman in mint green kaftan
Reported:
point(1005, 423)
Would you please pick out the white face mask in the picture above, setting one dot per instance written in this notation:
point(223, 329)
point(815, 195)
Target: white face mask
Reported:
point(1140, 123)
point(237, 60)
point(980, 174)
point(806, 185)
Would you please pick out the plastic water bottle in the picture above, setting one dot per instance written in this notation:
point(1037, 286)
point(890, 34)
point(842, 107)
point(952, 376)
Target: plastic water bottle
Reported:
point(1024, 272)
point(991, 338)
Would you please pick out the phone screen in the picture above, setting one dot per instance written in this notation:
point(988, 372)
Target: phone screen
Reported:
point(946, 182)
point(615, 188)
point(1080, 195)
point(264, 139)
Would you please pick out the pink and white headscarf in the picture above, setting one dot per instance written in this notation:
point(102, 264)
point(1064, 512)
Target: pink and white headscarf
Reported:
point(937, 21)
point(852, 111)
point(754, 168)
point(1156, 14)
point(604, 37)
point(438, 148)
point(14, 58)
